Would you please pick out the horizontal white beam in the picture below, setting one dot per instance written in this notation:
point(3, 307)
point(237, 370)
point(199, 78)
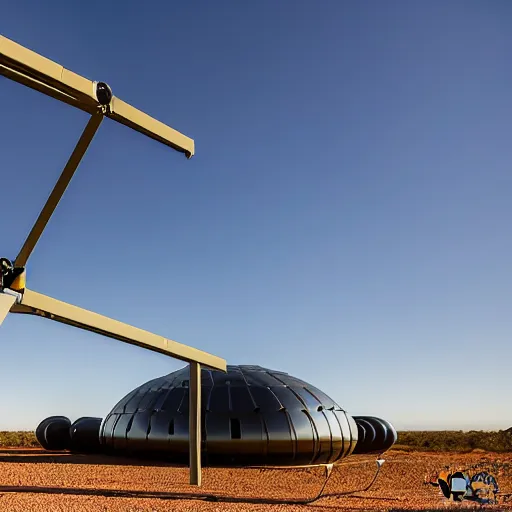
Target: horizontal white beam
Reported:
point(37, 72)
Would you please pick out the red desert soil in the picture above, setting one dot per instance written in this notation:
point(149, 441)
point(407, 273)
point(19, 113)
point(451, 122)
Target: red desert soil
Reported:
point(35, 480)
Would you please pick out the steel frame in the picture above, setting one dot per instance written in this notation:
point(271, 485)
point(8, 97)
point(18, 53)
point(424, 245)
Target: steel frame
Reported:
point(39, 73)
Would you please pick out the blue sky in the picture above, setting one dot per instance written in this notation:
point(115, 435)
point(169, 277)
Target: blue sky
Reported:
point(346, 217)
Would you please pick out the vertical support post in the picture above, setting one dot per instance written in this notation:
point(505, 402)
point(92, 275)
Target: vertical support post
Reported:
point(194, 423)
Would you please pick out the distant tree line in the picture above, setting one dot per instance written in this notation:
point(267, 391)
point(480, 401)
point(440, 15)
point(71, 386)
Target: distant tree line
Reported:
point(18, 439)
point(455, 441)
point(418, 440)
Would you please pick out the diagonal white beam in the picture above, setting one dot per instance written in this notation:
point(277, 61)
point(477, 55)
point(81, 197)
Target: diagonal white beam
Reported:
point(59, 189)
point(38, 304)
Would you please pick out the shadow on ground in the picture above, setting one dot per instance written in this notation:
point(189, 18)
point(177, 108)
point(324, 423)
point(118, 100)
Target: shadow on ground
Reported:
point(110, 493)
point(34, 456)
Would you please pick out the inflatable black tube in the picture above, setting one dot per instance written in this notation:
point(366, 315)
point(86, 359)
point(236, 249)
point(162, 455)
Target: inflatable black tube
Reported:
point(375, 435)
point(85, 435)
point(53, 433)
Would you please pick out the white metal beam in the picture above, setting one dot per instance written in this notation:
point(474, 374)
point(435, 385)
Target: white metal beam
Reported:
point(38, 304)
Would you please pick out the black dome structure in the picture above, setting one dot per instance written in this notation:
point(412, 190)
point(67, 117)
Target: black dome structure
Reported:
point(250, 416)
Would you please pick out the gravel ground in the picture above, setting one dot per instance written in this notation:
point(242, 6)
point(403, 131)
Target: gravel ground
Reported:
point(33, 480)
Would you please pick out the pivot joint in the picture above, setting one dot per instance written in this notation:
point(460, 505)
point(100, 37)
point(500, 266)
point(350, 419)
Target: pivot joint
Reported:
point(12, 277)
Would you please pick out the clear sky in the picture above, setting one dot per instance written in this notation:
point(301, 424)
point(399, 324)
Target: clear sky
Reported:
point(346, 217)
